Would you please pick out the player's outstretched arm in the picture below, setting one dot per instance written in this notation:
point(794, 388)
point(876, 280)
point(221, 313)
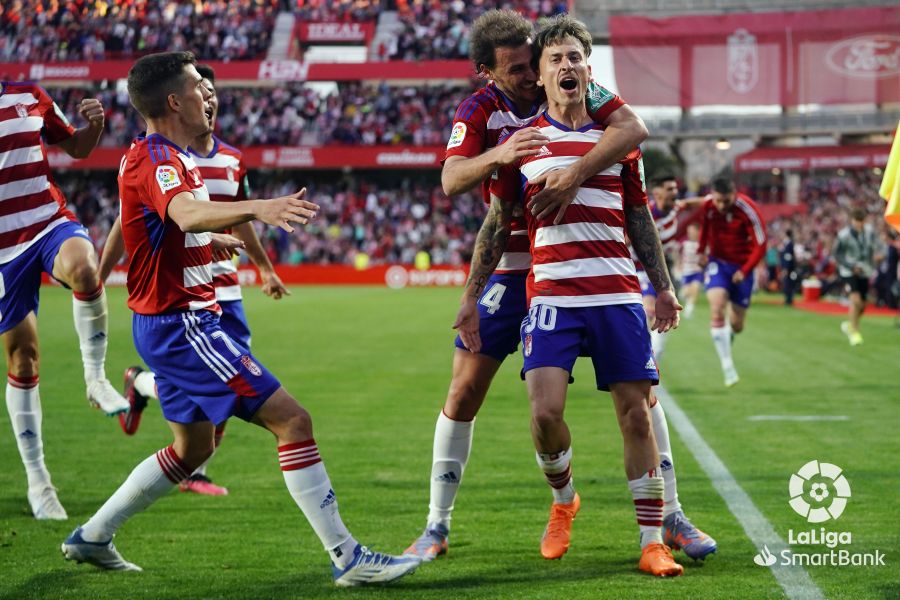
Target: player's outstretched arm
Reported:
point(84, 140)
point(271, 283)
point(645, 241)
point(625, 131)
point(461, 174)
point(489, 247)
point(195, 216)
point(113, 250)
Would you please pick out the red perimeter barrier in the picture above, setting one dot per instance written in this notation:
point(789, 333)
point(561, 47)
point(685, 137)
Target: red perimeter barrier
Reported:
point(392, 276)
point(287, 157)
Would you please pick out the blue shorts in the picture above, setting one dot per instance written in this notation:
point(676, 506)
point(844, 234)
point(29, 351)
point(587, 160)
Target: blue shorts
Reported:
point(719, 274)
point(20, 278)
point(615, 336)
point(693, 277)
point(646, 286)
point(202, 374)
point(234, 321)
point(501, 309)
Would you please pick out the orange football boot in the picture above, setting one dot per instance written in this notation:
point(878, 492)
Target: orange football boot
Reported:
point(657, 559)
point(558, 534)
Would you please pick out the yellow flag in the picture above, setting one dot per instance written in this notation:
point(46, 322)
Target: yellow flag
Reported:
point(890, 185)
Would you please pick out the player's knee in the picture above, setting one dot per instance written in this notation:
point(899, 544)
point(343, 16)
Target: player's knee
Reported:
point(22, 359)
point(463, 399)
point(546, 418)
point(297, 426)
point(82, 276)
point(635, 422)
point(737, 326)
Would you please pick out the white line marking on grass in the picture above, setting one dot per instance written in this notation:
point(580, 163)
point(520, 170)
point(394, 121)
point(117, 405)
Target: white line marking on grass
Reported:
point(801, 418)
point(795, 581)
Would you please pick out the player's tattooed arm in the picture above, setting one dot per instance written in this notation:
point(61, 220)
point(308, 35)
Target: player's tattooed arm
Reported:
point(645, 240)
point(489, 245)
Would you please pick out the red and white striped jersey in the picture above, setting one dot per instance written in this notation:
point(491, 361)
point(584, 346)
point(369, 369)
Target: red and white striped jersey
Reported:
point(584, 261)
point(484, 118)
point(225, 176)
point(169, 270)
point(31, 204)
point(690, 260)
point(737, 236)
point(666, 224)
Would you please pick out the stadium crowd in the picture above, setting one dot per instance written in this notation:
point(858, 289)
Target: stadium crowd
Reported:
point(294, 114)
point(389, 224)
point(89, 30)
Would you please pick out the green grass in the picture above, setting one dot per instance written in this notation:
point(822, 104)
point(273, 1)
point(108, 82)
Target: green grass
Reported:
point(372, 366)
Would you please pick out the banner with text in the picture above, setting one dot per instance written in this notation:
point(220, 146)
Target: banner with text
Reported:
point(785, 58)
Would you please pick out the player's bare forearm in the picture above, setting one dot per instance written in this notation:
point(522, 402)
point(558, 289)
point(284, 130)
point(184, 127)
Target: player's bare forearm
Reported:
point(460, 174)
point(624, 132)
point(645, 240)
point(194, 216)
point(252, 246)
point(489, 246)
point(83, 141)
point(113, 249)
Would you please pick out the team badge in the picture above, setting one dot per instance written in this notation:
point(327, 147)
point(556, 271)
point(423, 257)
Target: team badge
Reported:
point(457, 135)
point(251, 366)
point(527, 345)
point(743, 61)
point(167, 177)
point(21, 110)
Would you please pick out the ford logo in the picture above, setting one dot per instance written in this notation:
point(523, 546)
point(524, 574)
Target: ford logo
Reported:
point(870, 56)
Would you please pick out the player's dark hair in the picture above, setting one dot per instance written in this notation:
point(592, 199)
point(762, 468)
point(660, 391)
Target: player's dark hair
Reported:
point(557, 29)
point(723, 185)
point(497, 29)
point(858, 214)
point(207, 72)
point(153, 77)
point(662, 179)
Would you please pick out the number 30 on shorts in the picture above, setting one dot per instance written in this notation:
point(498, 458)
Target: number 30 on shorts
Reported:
point(491, 298)
point(541, 316)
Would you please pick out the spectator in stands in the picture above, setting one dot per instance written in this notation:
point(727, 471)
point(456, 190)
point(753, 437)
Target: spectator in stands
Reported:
point(788, 262)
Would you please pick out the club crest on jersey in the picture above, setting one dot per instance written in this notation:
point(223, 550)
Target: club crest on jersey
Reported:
point(167, 177)
point(251, 366)
point(527, 345)
point(457, 135)
point(21, 110)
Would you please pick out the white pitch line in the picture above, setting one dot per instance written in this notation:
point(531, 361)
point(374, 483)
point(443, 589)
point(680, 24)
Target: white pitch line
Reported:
point(800, 418)
point(795, 581)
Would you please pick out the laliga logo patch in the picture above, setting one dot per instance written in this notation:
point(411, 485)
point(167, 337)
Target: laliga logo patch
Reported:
point(457, 135)
point(528, 345)
point(167, 178)
point(810, 494)
point(250, 365)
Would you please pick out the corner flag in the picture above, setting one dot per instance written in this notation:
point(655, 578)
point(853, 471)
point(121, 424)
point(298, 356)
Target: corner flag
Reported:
point(890, 185)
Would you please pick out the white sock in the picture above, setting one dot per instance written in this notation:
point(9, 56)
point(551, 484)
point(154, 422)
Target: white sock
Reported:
point(666, 464)
point(89, 311)
point(145, 383)
point(450, 454)
point(558, 471)
point(648, 506)
point(23, 402)
point(306, 479)
point(657, 343)
point(149, 481)
point(722, 341)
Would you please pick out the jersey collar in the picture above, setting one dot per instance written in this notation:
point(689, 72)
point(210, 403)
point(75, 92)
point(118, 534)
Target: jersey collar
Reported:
point(512, 105)
point(559, 125)
point(164, 140)
point(213, 152)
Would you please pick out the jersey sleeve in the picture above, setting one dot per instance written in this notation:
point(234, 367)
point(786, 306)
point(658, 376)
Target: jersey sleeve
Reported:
point(163, 181)
point(634, 186)
point(468, 137)
point(507, 183)
point(704, 226)
point(601, 102)
point(56, 126)
point(756, 232)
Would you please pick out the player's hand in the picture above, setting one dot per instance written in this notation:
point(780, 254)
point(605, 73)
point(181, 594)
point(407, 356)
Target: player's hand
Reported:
point(272, 285)
point(667, 307)
point(737, 277)
point(558, 193)
point(224, 241)
point(91, 110)
point(703, 260)
point(524, 142)
point(283, 211)
point(467, 323)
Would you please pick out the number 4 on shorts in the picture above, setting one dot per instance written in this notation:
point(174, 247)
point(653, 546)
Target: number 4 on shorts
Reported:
point(491, 298)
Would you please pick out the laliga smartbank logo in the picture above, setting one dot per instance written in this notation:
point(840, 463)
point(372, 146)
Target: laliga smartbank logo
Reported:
point(819, 492)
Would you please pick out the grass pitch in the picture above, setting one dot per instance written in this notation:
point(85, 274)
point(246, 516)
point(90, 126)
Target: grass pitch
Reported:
point(372, 366)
